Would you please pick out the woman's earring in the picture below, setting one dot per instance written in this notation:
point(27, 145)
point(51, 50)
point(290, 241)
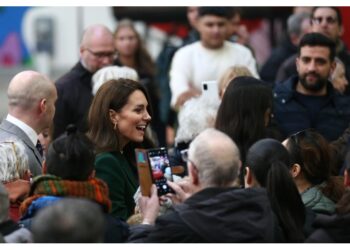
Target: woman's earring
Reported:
point(115, 126)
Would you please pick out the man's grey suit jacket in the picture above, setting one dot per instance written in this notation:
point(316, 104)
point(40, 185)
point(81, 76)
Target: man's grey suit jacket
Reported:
point(9, 130)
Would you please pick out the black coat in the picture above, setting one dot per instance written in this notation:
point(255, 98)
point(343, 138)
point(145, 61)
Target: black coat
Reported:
point(331, 229)
point(215, 215)
point(74, 100)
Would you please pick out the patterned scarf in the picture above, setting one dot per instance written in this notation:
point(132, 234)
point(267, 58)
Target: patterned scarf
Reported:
point(44, 185)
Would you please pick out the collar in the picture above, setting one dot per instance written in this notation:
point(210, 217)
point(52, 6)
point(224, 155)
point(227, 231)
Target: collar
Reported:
point(33, 136)
point(291, 85)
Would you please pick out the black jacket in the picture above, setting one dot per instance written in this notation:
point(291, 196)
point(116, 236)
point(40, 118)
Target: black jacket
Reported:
point(74, 100)
point(216, 215)
point(331, 229)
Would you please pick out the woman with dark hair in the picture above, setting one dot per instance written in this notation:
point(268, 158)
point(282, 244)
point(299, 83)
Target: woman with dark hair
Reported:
point(311, 170)
point(132, 53)
point(118, 118)
point(267, 165)
point(245, 112)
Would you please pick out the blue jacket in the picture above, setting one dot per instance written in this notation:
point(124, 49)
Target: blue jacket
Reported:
point(291, 116)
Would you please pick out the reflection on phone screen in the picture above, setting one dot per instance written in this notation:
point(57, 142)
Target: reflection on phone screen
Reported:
point(161, 170)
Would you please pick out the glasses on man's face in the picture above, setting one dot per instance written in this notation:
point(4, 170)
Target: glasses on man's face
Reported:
point(101, 55)
point(328, 19)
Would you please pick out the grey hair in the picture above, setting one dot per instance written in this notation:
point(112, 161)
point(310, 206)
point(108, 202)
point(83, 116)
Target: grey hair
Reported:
point(112, 72)
point(4, 203)
point(216, 158)
point(13, 160)
point(294, 22)
point(196, 115)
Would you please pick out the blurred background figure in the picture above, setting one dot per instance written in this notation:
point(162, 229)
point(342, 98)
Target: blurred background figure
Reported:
point(297, 26)
point(69, 221)
point(15, 174)
point(338, 77)
point(74, 88)
point(230, 74)
point(112, 72)
point(45, 138)
point(132, 53)
point(9, 229)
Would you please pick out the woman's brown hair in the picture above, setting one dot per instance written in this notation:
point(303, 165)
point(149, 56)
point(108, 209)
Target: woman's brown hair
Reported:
point(113, 94)
point(144, 62)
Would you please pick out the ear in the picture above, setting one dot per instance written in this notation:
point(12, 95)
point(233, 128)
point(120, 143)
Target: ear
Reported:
point(42, 106)
point(81, 50)
point(113, 116)
point(193, 172)
point(248, 177)
point(27, 175)
point(346, 178)
point(295, 170)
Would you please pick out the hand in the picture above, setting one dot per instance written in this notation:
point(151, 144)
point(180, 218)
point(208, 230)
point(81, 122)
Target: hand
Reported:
point(17, 190)
point(182, 189)
point(186, 96)
point(149, 207)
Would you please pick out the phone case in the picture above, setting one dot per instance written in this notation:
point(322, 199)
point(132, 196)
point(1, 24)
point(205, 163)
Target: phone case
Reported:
point(144, 171)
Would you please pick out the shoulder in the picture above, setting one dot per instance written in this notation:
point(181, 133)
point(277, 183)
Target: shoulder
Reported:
point(74, 74)
point(187, 49)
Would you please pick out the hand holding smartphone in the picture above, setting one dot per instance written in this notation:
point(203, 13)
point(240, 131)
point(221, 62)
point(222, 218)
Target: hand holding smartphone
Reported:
point(154, 167)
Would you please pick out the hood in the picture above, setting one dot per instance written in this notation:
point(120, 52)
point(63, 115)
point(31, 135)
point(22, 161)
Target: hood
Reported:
point(229, 215)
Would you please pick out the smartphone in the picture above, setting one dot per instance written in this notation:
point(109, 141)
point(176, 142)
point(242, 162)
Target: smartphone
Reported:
point(153, 166)
point(160, 169)
point(210, 89)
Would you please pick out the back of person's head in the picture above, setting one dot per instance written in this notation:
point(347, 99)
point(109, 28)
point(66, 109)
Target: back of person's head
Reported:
point(196, 115)
point(71, 156)
point(295, 21)
point(69, 221)
point(13, 160)
point(268, 162)
point(26, 88)
point(216, 158)
point(317, 39)
point(337, 11)
point(221, 11)
point(112, 72)
point(230, 74)
point(245, 111)
point(311, 151)
point(4, 204)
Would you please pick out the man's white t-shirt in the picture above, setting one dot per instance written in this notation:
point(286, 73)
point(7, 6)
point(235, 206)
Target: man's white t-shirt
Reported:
point(194, 63)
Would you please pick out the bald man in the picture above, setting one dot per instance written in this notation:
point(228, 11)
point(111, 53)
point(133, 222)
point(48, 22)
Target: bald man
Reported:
point(74, 88)
point(211, 209)
point(31, 107)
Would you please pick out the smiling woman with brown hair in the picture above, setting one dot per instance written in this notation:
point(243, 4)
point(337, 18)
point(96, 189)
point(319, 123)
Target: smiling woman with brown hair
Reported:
point(118, 118)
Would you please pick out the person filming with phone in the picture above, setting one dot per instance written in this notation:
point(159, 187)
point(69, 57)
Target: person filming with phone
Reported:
point(210, 208)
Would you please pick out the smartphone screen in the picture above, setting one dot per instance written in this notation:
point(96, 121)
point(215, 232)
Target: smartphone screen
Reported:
point(161, 169)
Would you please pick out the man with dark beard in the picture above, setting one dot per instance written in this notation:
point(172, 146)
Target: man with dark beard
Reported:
point(308, 100)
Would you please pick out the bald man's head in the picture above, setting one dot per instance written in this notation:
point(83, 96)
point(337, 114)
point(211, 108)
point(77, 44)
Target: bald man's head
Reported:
point(27, 87)
point(216, 158)
point(97, 47)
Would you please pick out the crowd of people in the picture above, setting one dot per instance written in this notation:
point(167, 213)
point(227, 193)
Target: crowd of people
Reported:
point(266, 157)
